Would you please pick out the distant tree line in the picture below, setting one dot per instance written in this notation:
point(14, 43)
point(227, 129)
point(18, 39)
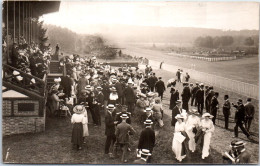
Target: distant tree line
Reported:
point(222, 41)
point(213, 42)
point(70, 41)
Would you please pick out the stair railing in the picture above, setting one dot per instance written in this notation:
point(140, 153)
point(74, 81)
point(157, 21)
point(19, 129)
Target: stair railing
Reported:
point(28, 82)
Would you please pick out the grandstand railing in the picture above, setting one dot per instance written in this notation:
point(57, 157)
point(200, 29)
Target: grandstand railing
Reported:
point(39, 88)
point(239, 87)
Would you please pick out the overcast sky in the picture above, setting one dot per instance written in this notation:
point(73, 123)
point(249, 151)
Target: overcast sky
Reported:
point(78, 15)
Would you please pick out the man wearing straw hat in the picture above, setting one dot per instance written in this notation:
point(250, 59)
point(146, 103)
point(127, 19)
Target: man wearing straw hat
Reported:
point(147, 138)
point(243, 156)
point(110, 129)
point(145, 154)
point(123, 130)
point(130, 97)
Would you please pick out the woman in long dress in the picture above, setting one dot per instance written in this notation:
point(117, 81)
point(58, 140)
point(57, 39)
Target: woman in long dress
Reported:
point(85, 125)
point(207, 128)
point(177, 143)
point(140, 107)
point(192, 125)
point(77, 120)
point(158, 112)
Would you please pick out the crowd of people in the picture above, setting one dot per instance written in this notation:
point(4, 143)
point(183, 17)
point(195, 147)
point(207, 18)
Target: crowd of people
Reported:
point(29, 58)
point(127, 95)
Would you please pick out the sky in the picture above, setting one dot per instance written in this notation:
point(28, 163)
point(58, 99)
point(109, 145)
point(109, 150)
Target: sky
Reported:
point(79, 15)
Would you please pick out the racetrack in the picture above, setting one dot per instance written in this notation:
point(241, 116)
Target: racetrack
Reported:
point(244, 70)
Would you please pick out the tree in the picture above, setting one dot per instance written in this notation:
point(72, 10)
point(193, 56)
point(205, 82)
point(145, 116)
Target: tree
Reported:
point(42, 34)
point(249, 41)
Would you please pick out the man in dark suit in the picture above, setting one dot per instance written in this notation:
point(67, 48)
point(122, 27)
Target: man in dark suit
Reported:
point(178, 74)
point(106, 92)
point(152, 81)
point(66, 83)
point(240, 118)
point(226, 110)
point(185, 96)
point(100, 104)
point(193, 94)
point(243, 155)
point(123, 130)
point(200, 98)
point(250, 113)
point(147, 138)
point(123, 111)
point(130, 97)
point(110, 129)
point(208, 98)
point(160, 87)
point(214, 107)
point(120, 91)
point(82, 82)
point(174, 98)
point(176, 110)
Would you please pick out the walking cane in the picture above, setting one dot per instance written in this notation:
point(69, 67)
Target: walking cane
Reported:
point(217, 116)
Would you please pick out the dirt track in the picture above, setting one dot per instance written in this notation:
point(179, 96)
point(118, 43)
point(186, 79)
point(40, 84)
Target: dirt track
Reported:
point(245, 70)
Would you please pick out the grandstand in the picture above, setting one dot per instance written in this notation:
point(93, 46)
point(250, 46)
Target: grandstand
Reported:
point(23, 89)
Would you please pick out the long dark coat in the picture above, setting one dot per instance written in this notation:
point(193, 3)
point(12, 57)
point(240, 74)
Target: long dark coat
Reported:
point(147, 139)
point(175, 112)
point(174, 98)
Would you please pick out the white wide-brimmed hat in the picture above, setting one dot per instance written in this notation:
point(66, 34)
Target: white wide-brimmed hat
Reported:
point(78, 109)
point(207, 115)
point(179, 116)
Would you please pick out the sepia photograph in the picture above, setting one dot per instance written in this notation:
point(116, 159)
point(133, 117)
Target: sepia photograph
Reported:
point(130, 82)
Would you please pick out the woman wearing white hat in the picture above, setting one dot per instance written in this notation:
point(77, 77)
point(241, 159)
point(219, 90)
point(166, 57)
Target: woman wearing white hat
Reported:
point(77, 120)
point(178, 138)
point(192, 124)
point(208, 128)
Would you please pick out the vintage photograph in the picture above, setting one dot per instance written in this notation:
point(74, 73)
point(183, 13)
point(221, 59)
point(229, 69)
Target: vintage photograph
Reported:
point(127, 82)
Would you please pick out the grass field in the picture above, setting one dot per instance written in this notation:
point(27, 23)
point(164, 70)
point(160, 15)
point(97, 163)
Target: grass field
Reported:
point(245, 69)
point(53, 145)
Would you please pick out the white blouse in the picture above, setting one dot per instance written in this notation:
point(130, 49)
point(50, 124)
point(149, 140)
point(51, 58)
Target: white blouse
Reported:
point(77, 118)
point(179, 126)
point(192, 121)
point(208, 125)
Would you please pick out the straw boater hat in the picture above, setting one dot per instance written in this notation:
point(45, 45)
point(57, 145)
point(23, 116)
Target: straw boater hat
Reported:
point(15, 73)
point(207, 115)
point(57, 79)
point(110, 106)
point(88, 87)
point(150, 94)
point(20, 78)
point(148, 109)
point(99, 88)
point(233, 143)
point(146, 152)
point(124, 116)
point(179, 116)
point(130, 81)
point(33, 81)
point(142, 95)
point(113, 89)
point(148, 122)
point(78, 109)
point(194, 111)
point(239, 143)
